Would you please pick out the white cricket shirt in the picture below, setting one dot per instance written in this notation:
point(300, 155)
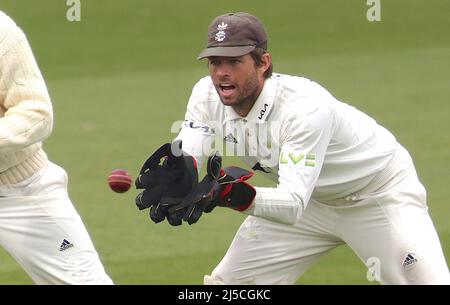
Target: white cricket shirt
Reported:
point(298, 134)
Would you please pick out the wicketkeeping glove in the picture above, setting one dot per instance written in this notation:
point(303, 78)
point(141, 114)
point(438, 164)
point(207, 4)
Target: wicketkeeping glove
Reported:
point(235, 192)
point(223, 187)
point(166, 179)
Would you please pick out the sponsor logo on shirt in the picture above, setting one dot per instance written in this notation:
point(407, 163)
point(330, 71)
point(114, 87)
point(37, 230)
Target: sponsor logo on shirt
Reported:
point(195, 125)
point(298, 159)
point(230, 138)
point(262, 112)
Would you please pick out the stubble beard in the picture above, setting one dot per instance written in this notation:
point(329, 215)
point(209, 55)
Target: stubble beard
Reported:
point(247, 95)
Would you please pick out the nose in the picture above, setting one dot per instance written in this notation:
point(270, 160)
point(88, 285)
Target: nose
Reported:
point(222, 70)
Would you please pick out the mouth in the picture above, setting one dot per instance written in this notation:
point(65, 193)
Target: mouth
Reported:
point(226, 89)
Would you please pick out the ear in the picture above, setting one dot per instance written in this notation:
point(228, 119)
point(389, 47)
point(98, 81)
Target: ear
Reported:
point(266, 61)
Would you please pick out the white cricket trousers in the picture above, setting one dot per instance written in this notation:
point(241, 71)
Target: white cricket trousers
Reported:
point(41, 229)
point(390, 231)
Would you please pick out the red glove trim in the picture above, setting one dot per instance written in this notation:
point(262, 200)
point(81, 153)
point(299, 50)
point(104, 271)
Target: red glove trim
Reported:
point(226, 190)
point(195, 163)
point(245, 207)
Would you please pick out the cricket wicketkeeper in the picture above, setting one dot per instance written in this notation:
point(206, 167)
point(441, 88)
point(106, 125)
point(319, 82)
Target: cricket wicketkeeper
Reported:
point(341, 177)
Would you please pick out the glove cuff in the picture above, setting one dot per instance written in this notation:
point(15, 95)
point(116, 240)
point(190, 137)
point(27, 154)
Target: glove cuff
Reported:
point(235, 192)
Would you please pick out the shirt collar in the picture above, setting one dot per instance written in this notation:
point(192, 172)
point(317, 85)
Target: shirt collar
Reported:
point(262, 107)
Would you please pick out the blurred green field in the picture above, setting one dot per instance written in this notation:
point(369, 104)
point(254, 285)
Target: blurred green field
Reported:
point(123, 74)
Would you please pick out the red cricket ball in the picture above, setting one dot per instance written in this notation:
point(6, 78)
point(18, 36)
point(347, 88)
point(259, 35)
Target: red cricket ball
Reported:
point(120, 180)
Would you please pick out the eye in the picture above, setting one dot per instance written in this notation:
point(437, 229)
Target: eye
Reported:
point(214, 61)
point(234, 61)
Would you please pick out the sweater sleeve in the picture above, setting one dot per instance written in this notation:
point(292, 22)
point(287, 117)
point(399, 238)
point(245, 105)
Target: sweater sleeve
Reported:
point(26, 115)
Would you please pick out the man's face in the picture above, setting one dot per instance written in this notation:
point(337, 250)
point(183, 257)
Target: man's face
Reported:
point(238, 80)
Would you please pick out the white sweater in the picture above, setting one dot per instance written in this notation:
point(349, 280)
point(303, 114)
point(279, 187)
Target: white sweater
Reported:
point(26, 115)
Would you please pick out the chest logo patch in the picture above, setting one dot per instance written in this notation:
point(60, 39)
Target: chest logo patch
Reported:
point(292, 158)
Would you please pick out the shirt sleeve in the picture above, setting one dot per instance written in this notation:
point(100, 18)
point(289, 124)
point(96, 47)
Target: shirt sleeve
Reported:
point(25, 108)
point(301, 158)
point(197, 131)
